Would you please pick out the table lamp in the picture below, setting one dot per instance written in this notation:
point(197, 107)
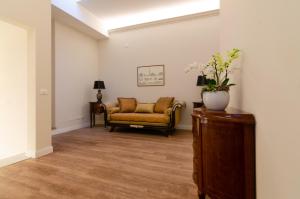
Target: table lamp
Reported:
point(99, 85)
point(201, 81)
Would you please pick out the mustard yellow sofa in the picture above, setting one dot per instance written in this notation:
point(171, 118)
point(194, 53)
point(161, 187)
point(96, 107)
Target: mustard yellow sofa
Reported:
point(166, 121)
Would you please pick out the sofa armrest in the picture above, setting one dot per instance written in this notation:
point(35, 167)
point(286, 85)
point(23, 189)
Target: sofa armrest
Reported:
point(175, 114)
point(168, 111)
point(110, 109)
point(179, 104)
point(111, 105)
point(114, 110)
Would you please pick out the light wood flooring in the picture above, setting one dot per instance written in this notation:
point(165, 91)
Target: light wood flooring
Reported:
point(93, 163)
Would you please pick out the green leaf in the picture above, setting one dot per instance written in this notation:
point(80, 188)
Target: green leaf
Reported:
point(211, 82)
point(225, 82)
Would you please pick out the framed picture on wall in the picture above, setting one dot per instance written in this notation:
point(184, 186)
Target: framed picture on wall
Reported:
point(153, 75)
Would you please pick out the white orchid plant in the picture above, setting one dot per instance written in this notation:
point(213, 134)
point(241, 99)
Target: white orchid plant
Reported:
point(216, 71)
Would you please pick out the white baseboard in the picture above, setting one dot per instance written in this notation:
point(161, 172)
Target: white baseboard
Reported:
point(70, 128)
point(184, 127)
point(13, 159)
point(40, 153)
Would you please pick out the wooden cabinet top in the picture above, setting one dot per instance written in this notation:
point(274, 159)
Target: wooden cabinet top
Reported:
point(230, 114)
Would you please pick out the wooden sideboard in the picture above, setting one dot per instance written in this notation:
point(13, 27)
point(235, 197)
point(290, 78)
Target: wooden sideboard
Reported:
point(224, 154)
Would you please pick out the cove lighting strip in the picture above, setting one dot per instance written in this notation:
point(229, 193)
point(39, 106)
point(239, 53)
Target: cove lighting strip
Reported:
point(161, 14)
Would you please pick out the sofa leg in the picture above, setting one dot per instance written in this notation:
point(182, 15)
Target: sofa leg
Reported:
point(112, 128)
point(167, 133)
point(172, 131)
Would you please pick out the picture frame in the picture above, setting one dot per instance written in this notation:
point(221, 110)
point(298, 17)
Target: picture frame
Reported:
point(153, 75)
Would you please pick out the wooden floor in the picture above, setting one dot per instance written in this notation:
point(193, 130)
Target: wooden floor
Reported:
point(93, 163)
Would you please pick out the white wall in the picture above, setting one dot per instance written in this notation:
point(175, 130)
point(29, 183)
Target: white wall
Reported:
point(35, 16)
point(76, 69)
point(176, 45)
point(268, 34)
point(13, 88)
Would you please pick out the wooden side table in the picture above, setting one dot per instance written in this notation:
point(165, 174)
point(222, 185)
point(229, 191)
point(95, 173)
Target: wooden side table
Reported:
point(95, 109)
point(197, 104)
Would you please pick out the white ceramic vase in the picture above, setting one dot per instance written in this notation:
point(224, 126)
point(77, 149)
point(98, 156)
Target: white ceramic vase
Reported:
point(217, 100)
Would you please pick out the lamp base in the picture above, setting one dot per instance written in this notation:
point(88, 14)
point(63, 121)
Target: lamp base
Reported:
point(99, 97)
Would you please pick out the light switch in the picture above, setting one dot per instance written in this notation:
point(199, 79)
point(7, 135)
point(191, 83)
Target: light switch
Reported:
point(43, 92)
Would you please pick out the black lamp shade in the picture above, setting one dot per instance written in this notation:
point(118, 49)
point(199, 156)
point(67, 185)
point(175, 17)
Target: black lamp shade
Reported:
point(201, 81)
point(99, 85)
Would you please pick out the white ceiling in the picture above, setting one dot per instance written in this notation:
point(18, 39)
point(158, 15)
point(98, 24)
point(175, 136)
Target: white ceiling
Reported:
point(121, 13)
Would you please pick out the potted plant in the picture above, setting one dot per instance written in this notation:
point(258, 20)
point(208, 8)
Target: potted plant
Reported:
point(216, 72)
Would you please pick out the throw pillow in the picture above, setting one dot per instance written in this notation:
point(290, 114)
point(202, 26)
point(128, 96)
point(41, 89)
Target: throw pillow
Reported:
point(127, 105)
point(144, 108)
point(162, 104)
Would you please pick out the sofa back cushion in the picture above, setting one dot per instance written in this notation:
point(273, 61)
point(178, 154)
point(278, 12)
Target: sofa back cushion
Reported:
point(162, 104)
point(144, 108)
point(127, 105)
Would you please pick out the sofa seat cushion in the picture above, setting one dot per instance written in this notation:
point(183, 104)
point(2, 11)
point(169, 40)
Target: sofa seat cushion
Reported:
point(140, 117)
